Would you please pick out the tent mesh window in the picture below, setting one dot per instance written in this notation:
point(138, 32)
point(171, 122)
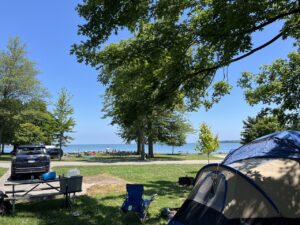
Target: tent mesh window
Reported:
point(211, 191)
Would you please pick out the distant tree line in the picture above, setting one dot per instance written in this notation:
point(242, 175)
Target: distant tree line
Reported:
point(24, 117)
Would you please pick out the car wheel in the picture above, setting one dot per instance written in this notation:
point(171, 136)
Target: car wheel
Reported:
point(13, 176)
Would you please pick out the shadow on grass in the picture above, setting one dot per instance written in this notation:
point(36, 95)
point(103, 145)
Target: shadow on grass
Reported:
point(136, 158)
point(107, 158)
point(91, 210)
point(167, 189)
point(98, 210)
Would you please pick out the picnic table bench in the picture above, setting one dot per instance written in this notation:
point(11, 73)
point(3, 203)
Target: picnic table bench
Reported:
point(29, 188)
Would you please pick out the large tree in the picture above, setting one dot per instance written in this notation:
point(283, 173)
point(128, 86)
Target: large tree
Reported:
point(18, 74)
point(63, 118)
point(175, 50)
point(28, 133)
point(24, 116)
point(128, 99)
point(9, 111)
point(18, 85)
point(255, 127)
point(174, 130)
point(277, 86)
point(184, 42)
point(36, 113)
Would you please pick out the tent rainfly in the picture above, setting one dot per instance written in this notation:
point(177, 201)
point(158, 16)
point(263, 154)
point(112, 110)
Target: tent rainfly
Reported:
point(256, 184)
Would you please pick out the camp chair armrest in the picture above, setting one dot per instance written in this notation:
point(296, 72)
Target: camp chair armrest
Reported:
point(152, 196)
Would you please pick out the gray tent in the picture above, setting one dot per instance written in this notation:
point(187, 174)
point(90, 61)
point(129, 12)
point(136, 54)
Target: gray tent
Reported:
point(257, 184)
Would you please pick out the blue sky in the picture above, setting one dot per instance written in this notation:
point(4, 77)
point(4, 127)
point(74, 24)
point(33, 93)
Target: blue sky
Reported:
point(49, 28)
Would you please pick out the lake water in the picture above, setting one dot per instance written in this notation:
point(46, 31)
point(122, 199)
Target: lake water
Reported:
point(225, 147)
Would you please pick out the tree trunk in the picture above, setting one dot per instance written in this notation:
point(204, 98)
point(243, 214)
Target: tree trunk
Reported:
point(207, 158)
point(143, 154)
point(60, 141)
point(138, 150)
point(150, 147)
point(1, 134)
point(142, 146)
point(2, 148)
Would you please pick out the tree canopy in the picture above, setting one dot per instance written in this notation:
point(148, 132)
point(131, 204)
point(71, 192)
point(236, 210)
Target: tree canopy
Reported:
point(277, 86)
point(174, 52)
point(255, 127)
point(183, 42)
point(29, 133)
point(18, 74)
point(24, 117)
point(63, 118)
point(22, 105)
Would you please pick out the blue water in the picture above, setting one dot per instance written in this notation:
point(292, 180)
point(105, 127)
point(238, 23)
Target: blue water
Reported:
point(225, 147)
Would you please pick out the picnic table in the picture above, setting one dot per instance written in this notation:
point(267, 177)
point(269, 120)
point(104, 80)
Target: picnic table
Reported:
point(42, 189)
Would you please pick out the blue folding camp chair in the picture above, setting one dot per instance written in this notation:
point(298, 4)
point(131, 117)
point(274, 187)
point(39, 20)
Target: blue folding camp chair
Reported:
point(134, 201)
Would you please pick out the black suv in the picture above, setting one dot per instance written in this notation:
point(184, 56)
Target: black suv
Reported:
point(55, 152)
point(30, 160)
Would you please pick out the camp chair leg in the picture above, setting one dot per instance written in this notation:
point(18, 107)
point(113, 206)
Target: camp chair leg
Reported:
point(13, 206)
point(143, 218)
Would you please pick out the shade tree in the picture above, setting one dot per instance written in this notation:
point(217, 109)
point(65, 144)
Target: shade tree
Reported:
point(184, 42)
point(277, 88)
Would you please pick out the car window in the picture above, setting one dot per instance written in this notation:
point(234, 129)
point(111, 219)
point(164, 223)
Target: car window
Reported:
point(30, 150)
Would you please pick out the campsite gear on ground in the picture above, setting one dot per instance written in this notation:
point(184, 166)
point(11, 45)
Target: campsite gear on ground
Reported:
point(168, 213)
point(48, 176)
point(186, 181)
point(5, 205)
point(134, 201)
point(70, 185)
point(258, 183)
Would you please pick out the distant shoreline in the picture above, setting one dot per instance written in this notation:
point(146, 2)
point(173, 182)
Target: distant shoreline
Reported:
point(225, 147)
point(225, 141)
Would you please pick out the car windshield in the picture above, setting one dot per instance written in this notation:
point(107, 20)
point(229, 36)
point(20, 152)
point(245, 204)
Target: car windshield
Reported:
point(30, 150)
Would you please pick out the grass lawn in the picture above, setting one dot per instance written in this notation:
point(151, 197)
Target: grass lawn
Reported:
point(104, 209)
point(5, 157)
point(2, 171)
point(104, 156)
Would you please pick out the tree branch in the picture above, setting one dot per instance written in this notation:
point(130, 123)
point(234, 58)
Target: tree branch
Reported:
point(219, 65)
point(271, 20)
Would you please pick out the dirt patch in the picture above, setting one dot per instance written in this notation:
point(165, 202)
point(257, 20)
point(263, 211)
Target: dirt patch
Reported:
point(102, 184)
point(105, 188)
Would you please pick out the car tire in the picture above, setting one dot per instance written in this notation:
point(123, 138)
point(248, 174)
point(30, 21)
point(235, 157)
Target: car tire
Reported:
point(13, 176)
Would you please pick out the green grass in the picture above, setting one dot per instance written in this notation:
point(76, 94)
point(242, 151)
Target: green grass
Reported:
point(116, 157)
point(5, 157)
point(2, 171)
point(104, 209)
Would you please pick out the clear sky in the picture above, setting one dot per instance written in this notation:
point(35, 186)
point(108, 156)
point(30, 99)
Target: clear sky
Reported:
point(49, 28)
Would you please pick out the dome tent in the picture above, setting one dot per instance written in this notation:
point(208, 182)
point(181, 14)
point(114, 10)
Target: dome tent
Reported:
point(256, 184)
